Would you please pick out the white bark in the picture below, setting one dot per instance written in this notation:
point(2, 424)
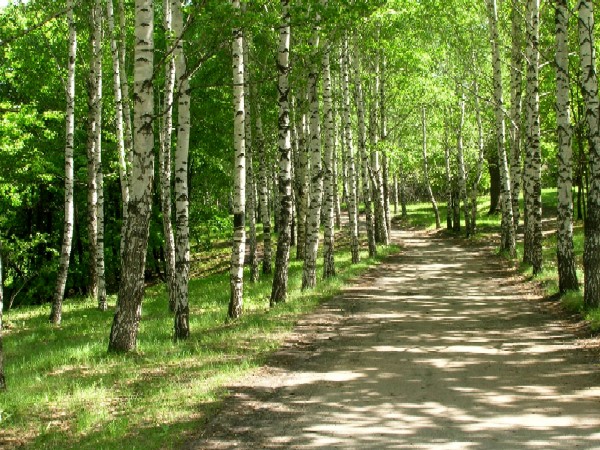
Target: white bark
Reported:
point(426, 169)
point(516, 78)
point(589, 88)
point(508, 231)
point(280, 278)
point(65, 253)
point(480, 159)
point(123, 336)
point(182, 232)
point(462, 173)
point(239, 175)
point(351, 178)
point(2, 377)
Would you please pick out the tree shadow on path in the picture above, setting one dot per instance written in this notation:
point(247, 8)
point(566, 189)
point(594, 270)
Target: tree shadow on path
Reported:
point(440, 347)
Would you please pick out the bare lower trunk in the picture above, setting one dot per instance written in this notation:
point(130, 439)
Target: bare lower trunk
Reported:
point(567, 274)
point(532, 246)
point(329, 169)
point(516, 81)
point(123, 335)
point(507, 241)
point(2, 377)
point(362, 149)
point(263, 190)
point(280, 278)
point(480, 159)
point(301, 177)
point(426, 171)
point(65, 253)
point(589, 88)
point(239, 176)
point(182, 232)
point(351, 178)
point(449, 218)
point(462, 175)
point(164, 157)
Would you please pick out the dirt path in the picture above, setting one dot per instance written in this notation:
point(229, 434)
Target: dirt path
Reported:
point(437, 348)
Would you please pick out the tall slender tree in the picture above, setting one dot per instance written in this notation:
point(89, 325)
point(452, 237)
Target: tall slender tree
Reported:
point(426, 169)
point(507, 241)
point(182, 213)
point(460, 160)
point(123, 334)
point(239, 175)
point(67, 240)
point(263, 186)
point(589, 89)
point(280, 278)
point(164, 154)
point(2, 377)
point(349, 150)
point(516, 90)
point(567, 275)
point(309, 273)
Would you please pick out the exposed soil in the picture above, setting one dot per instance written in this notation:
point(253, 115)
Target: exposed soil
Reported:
point(440, 347)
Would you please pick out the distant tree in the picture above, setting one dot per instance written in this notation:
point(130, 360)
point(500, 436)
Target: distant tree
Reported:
point(2, 377)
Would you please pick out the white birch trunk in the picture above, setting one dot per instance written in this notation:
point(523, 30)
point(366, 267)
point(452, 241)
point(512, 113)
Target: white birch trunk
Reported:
point(127, 125)
point(351, 178)
point(462, 173)
point(516, 79)
point(329, 167)
point(123, 335)
point(381, 234)
point(119, 118)
point(384, 156)
point(2, 377)
point(480, 159)
point(426, 170)
point(65, 253)
point(164, 155)
point(362, 150)
point(280, 278)
point(589, 88)
point(301, 176)
point(567, 274)
point(309, 272)
point(239, 175)
point(507, 242)
point(182, 232)
point(448, 176)
point(263, 189)
point(532, 248)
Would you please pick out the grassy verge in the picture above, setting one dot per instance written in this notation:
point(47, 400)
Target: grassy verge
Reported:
point(488, 228)
point(66, 392)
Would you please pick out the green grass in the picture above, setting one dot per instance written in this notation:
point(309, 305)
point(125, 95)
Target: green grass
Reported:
point(488, 228)
point(65, 391)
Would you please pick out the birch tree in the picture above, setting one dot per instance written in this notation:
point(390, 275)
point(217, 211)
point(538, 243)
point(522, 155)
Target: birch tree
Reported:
point(164, 154)
point(567, 275)
point(460, 159)
point(280, 278)
point(301, 176)
point(182, 232)
point(349, 148)
point(480, 157)
point(123, 335)
point(589, 89)
point(2, 377)
point(362, 149)
point(507, 241)
point(67, 239)
point(516, 81)
point(309, 273)
point(329, 167)
point(532, 243)
point(426, 169)
point(263, 188)
point(239, 175)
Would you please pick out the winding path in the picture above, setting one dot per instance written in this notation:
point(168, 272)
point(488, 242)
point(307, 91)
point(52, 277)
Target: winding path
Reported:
point(440, 347)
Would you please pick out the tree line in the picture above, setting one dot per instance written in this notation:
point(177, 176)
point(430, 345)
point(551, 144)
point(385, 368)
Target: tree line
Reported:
point(128, 127)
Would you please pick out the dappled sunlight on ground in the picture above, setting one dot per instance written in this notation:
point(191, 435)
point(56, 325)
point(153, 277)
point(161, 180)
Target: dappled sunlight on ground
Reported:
point(438, 348)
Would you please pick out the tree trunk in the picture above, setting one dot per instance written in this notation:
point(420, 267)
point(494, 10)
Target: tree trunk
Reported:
point(336, 196)
point(238, 252)
point(119, 107)
point(480, 159)
point(589, 87)
point(123, 335)
point(507, 242)
point(384, 157)
point(567, 274)
point(495, 184)
point(280, 278)
point(65, 253)
point(362, 148)
point(94, 85)
point(449, 224)
point(516, 81)
point(426, 171)
point(329, 168)
point(182, 232)
point(250, 191)
point(532, 243)
point(395, 193)
point(462, 173)
point(164, 156)
point(301, 177)
point(309, 272)
point(347, 124)
point(263, 189)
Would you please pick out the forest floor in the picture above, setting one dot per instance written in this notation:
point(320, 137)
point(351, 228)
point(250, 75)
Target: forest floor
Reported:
point(443, 346)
